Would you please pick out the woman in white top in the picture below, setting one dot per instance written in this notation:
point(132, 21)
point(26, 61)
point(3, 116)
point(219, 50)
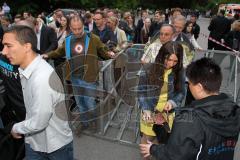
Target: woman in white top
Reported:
point(63, 30)
point(188, 30)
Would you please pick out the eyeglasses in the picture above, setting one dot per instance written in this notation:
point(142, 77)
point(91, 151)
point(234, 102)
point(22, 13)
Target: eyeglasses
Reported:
point(164, 34)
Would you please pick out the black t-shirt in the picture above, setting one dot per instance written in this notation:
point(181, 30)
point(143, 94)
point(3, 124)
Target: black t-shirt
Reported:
point(13, 90)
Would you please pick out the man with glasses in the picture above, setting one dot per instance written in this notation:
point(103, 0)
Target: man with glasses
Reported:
point(166, 34)
point(105, 34)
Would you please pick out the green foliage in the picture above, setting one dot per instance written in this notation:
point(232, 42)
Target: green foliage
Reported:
point(36, 6)
point(22, 5)
point(126, 4)
point(227, 1)
point(30, 7)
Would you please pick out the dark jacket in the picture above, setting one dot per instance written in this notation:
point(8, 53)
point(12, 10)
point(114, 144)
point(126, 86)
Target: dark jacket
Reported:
point(219, 26)
point(106, 35)
point(154, 28)
point(196, 30)
point(13, 96)
point(2, 90)
point(206, 130)
point(232, 39)
point(48, 40)
point(137, 37)
point(13, 111)
point(11, 148)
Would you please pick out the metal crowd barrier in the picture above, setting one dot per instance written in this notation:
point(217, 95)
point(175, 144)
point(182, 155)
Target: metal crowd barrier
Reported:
point(121, 124)
point(117, 114)
point(118, 110)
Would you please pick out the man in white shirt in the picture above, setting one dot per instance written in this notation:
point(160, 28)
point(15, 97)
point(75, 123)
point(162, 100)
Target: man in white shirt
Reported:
point(46, 135)
point(166, 34)
point(88, 22)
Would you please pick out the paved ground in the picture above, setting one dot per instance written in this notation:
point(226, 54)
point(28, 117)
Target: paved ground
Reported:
point(94, 148)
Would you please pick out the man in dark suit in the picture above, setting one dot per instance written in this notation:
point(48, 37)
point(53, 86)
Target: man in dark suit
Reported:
point(47, 37)
point(102, 30)
point(219, 26)
point(156, 24)
point(140, 24)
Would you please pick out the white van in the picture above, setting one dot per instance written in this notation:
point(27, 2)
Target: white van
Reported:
point(230, 9)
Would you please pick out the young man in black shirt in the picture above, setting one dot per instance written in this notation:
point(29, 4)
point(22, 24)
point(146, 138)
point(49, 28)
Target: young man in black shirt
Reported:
point(209, 127)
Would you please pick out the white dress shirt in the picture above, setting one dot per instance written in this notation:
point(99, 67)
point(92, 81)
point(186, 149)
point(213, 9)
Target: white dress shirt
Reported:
point(38, 34)
point(151, 53)
point(90, 26)
point(43, 92)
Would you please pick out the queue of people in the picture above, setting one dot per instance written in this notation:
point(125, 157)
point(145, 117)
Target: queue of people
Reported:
point(31, 92)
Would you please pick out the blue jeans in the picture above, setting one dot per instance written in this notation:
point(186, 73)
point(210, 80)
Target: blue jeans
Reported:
point(85, 95)
point(64, 153)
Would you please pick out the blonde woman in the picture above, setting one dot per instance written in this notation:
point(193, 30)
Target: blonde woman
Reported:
point(144, 34)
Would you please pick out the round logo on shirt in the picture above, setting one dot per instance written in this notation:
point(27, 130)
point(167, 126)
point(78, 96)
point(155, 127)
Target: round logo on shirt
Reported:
point(78, 48)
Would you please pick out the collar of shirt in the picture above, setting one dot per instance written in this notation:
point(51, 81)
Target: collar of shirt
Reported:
point(30, 68)
point(90, 26)
point(39, 29)
point(116, 30)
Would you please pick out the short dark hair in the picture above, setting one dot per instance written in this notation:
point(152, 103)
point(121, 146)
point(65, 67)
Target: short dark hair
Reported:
point(24, 34)
point(88, 15)
point(206, 72)
point(101, 13)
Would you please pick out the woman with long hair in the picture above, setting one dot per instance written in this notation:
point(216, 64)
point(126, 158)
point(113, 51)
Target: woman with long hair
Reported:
point(144, 34)
point(129, 18)
point(161, 89)
point(63, 30)
point(188, 30)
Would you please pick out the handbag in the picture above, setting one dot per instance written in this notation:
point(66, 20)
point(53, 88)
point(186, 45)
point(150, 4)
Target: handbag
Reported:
point(161, 127)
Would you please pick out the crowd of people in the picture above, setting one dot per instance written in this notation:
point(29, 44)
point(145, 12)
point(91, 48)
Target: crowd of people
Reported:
point(32, 93)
